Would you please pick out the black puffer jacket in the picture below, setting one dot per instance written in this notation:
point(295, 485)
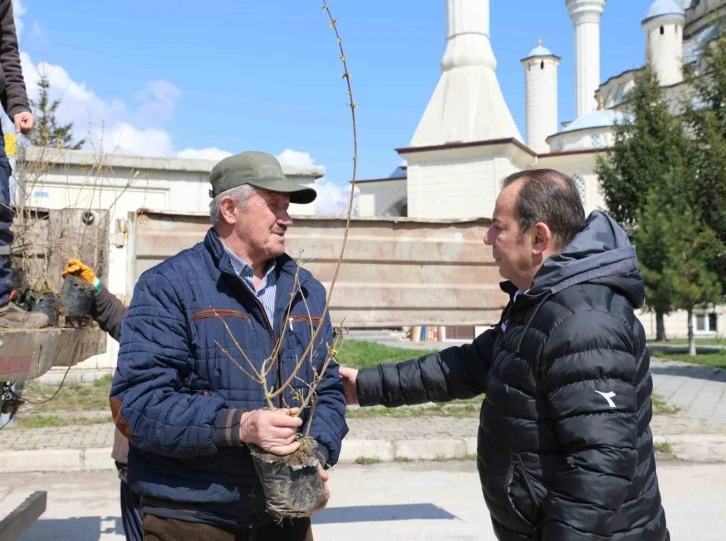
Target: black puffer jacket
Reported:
point(565, 449)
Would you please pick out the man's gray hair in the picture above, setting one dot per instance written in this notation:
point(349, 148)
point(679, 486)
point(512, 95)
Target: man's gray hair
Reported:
point(240, 194)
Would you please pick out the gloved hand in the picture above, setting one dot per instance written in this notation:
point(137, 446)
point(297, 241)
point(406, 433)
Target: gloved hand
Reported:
point(78, 268)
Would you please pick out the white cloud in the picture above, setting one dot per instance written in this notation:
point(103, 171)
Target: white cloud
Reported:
point(333, 200)
point(211, 153)
point(158, 100)
point(123, 138)
point(296, 158)
point(18, 12)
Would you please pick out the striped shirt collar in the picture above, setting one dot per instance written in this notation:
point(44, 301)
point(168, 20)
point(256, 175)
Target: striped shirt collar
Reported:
point(268, 285)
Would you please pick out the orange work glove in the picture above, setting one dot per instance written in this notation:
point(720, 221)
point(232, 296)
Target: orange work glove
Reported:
point(78, 268)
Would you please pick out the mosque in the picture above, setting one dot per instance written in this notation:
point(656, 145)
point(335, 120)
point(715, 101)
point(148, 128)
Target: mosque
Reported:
point(468, 139)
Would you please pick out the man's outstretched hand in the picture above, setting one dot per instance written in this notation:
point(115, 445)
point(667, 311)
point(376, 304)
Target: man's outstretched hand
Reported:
point(349, 376)
point(271, 431)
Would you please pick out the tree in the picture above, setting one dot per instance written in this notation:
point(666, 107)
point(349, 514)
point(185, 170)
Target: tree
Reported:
point(47, 132)
point(705, 117)
point(685, 248)
point(650, 145)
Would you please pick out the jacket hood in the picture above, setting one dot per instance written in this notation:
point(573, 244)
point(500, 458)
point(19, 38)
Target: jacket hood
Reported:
point(600, 253)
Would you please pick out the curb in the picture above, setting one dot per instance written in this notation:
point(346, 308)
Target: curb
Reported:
point(704, 448)
point(698, 448)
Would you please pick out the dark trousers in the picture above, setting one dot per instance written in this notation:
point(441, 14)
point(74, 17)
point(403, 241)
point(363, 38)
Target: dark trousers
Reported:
point(168, 529)
point(6, 222)
point(131, 514)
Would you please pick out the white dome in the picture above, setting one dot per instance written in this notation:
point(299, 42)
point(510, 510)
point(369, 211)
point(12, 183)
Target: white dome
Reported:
point(597, 119)
point(663, 8)
point(540, 51)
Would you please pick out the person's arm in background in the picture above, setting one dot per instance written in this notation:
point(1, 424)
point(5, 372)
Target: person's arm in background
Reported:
point(107, 310)
point(14, 96)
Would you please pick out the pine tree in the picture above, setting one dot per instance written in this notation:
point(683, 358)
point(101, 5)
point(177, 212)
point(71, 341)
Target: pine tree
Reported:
point(705, 117)
point(677, 251)
point(47, 132)
point(649, 147)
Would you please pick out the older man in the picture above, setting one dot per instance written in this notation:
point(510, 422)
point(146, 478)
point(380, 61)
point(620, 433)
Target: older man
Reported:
point(565, 451)
point(186, 407)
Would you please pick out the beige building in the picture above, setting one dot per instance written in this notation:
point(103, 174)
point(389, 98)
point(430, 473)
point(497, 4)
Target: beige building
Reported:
point(467, 142)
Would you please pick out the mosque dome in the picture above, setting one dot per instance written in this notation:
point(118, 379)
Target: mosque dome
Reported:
point(605, 118)
point(539, 51)
point(665, 8)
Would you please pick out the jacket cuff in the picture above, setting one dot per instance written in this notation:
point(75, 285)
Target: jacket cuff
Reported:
point(323, 455)
point(369, 385)
point(226, 428)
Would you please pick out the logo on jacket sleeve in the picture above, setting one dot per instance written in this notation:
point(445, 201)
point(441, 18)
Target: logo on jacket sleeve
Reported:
point(608, 396)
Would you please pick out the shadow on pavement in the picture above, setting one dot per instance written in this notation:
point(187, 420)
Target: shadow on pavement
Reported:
point(382, 513)
point(76, 529)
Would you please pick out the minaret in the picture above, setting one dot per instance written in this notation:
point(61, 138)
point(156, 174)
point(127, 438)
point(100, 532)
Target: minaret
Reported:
point(540, 76)
point(585, 15)
point(663, 26)
point(467, 104)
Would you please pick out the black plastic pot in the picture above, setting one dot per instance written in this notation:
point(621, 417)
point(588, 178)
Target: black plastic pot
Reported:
point(290, 491)
point(47, 304)
point(76, 297)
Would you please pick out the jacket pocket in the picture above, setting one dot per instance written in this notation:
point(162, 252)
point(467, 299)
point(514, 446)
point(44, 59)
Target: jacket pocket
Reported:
point(221, 313)
point(522, 494)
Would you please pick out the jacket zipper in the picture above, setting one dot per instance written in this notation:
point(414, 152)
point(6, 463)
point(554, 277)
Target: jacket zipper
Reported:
point(532, 495)
point(272, 335)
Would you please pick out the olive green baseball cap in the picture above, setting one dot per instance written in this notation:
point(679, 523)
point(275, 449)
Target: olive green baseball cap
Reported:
point(260, 170)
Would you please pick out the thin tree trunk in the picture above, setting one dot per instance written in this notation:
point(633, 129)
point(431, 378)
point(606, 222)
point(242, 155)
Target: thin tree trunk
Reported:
point(691, 337)
point(660, 330)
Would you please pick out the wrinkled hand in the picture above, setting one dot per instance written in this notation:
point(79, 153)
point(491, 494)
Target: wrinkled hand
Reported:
point(24, 122)
point(76, 267)
point(271, 431)
point(350, 386)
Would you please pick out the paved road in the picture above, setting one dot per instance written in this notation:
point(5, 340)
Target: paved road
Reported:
point(421, 501)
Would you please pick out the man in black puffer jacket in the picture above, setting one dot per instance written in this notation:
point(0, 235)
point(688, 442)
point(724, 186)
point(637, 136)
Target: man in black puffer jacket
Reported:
point(565, 450)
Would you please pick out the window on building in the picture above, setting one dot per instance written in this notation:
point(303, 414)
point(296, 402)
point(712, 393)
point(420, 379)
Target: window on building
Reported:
point(581, 186)
point(713, 322)
point(541, 65)
point(705, 322)
point(662, 30)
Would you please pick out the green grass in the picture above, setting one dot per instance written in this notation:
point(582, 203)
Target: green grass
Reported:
point(47, 421)
point(717, 360)
point(363, 461)
point(357, 354)
point(663, 448)
point(684, 342)
point(87, 396)
point(458, 408)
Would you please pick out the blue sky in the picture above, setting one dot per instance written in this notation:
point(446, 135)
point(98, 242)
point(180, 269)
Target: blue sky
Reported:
point(240, 75)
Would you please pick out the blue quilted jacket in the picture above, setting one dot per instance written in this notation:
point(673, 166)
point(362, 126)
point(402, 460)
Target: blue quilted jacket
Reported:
point(178, 397)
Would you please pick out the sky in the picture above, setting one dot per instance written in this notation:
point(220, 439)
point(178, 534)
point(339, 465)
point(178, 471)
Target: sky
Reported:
point(170, 77)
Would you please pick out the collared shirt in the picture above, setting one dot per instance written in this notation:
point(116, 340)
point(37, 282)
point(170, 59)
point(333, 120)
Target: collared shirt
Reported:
point(268, 286)
point(505, 323)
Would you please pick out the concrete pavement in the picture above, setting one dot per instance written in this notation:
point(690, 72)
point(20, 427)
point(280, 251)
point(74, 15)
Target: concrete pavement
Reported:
point(385, 502)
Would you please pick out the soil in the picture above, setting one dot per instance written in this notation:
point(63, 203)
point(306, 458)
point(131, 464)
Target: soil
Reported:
point(298, 458)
